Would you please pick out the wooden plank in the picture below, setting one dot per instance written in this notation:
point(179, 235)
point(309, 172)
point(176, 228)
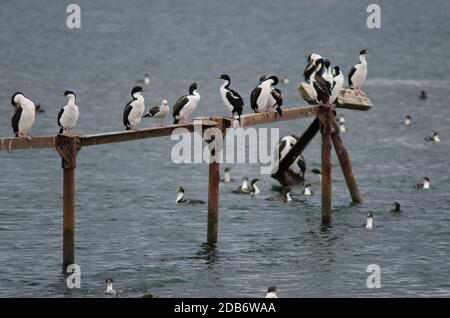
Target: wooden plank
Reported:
point(270, 117)
point(127, 135)
point(17, 143)
point(346, 99)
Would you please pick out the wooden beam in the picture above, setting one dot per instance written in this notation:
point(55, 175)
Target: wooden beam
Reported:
point(17, 143)
point(127, 135)
point(326, 178)
point(346, 99)
point(296, 150)
point(270, 117)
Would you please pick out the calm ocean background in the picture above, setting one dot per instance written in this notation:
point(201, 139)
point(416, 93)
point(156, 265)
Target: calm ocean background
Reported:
point(127, 223)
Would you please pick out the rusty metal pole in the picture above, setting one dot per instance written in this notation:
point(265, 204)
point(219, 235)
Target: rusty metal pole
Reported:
point(346, 167)
point(68, 147)
point(325, 117)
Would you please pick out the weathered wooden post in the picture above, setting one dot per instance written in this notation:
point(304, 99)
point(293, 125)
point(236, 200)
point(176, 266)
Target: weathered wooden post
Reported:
point(326, 119)
point(68, 147)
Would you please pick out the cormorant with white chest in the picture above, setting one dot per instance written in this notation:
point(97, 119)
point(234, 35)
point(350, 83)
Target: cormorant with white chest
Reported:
point(322, 88)
point(68, 115)
point(186, 104)
point(180, 198)
point(132, 114)
point(231, 98)
point(24, 114)
point(309, 69)
point(358, 73)
point(266, 96)
point(338, 83)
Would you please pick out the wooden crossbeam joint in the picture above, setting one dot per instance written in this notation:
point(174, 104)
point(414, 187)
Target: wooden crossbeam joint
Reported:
point(68, 148)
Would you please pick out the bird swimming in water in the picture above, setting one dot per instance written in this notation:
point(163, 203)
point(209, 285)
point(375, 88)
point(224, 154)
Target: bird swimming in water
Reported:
point(266, 96)
point(342, 128)
point(160, 111)
point(307, 190)
point(149, 295)
point(68, 115)
point(369, 224)
point(338, 83)
point(24, 114)
point(285, 80)
point(285, 196)
point(227, 176)
point(254, 188)
point(309, 69)
point(434, 138)
point(396, 207)
point(423, 95)
point(272, 292)
point(407, 120)
point(186, 104)
point(109, 287)
point(39, 109)
point(358, 73)
point(244, 188)
point(318, 173)
point(145, 81)
point(133, 111)
point(341, 119)
point(180, 198)
point(425, 184)
point(232, 100)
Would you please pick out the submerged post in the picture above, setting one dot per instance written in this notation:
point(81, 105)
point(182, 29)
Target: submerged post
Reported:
point(326, 119)
point(68, 147)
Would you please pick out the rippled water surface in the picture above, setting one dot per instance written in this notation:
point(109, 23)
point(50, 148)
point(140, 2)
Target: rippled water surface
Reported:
point(127, 224)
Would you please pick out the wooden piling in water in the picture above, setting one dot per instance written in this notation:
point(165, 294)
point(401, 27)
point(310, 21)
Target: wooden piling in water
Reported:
point(326, 118)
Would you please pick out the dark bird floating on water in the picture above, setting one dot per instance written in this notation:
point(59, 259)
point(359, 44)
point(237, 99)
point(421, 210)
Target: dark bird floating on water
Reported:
point(309, 69)
point(68, 115)
point(24, 113)
point(160, 111)
point(434, 138)
point(318, 173)
point(338, 83)
point(109, 287)
point(266, 96)
point(133, 111)
point(272, 292)
point(369, 221)
point(232, 100)
point(358, 73)
point(423, 95)
point(180, 198)
point(39, 109)
point(285, 196)
point(396, 207)
point(227, 176)
point(321, 87)
point(408, 120)
point(186, 105)
point(425, 184)
point(307, 190)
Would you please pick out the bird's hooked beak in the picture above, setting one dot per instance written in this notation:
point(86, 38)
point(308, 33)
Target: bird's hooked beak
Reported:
point(218, 77)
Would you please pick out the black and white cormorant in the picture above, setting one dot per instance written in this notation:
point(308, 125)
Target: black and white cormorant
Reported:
point(227, 176)
point(109, 287)
point(309, 69)
point(321, 87)
point(327, 72)
point(232, 100)
point(408, 120)
point(284, 196)
point(133, 111)
point(307, 190)
point(180, 198)
point(423, 95)
point(285, 144)
point(160, 111)
point(358, 73)
point(68, 115)
point(338, 83)
point(266, 96)
point(24, 113)
point(434, 138)
point(425, 184)
point(272, 292)
point(369, 221)
point(244, 188)
point(396, 207)
point(186, 104)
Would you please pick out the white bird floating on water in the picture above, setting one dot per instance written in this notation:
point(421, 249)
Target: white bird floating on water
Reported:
point(369, 224)
point(68, 115)
point(132, 114)
point(408, 120)
point(160, 111)
point(24, 114)
point(358, 73)
point(425, 184)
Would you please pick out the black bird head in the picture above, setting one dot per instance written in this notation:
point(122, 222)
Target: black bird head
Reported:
point(136, 89)
point(336, 71)
point(66, 93)
point(225, 77)
point(435, 134)
point(370, 215)
point(109, 280)
point(315, 170)
point(13, 102)
point(180, 189)
point(364, 52)
point(426, 179)
point(408, 117)
point(319, 63)
point(327, 63)
point(397, 206)
point(274, 79)
point(254, 181)
point(272, 289)
point(192, 88)
point(227, 169)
